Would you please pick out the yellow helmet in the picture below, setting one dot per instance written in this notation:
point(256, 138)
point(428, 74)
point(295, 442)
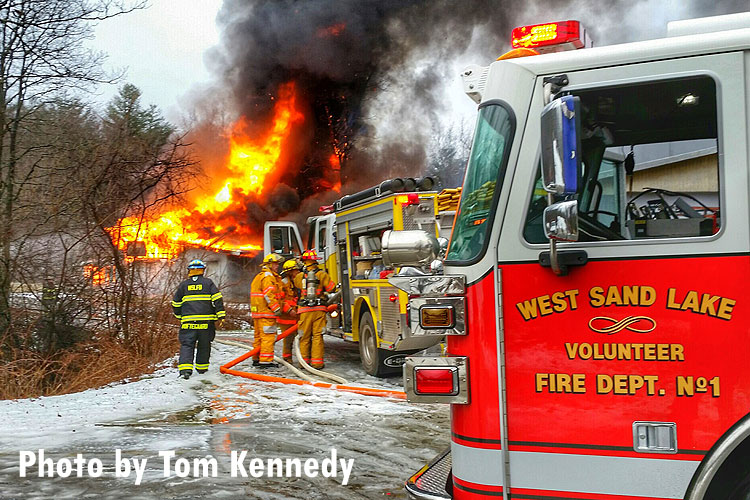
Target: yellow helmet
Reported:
point(272, 257)
point(289, 265)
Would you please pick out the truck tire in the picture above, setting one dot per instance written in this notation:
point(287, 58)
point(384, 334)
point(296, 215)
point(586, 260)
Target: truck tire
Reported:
point(372, 358)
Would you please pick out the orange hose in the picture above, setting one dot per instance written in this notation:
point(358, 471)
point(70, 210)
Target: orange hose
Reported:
point(367, 391)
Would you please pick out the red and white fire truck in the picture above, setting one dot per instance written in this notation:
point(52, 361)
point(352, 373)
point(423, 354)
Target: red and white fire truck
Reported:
point(593, 290)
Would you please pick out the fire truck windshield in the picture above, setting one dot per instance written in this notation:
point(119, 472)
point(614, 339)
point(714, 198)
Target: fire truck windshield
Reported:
point(484, 178)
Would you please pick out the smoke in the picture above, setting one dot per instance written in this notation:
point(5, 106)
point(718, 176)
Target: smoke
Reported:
point(378, 79)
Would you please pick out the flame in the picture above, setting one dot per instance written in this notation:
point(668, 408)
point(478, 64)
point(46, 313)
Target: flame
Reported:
point(252, 162)
point(253, 165)
point(99, 275)
point(336, 167)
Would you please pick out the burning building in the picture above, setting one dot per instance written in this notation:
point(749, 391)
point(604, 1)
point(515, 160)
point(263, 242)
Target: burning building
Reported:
point(326, 97)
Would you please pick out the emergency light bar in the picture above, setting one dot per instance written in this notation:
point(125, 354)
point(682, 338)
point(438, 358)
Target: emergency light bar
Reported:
point(551, 37)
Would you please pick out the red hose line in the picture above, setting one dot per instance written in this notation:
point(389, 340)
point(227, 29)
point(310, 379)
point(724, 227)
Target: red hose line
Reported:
point(367, 391)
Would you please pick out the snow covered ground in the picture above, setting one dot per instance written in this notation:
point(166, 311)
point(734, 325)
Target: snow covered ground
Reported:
point(212, 415)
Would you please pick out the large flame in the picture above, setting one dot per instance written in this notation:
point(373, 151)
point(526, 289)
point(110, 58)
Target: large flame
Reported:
point(252, 165)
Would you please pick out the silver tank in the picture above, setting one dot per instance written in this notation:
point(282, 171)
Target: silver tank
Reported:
point(409, 248)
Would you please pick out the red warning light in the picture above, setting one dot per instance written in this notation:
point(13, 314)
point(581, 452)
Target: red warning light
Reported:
point(550, 37)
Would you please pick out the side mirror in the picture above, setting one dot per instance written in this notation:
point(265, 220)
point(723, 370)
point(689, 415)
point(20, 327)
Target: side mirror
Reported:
point(561, 221)
point(561, 145)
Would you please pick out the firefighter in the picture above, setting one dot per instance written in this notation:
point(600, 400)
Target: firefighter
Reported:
point(316, 285)
point(290, 270)
point(198, 304)
point(266, 306)
point(49, 295)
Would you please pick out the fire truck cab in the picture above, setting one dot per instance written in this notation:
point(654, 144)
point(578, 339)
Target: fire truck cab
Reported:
point(347, 239)
point(598, 263)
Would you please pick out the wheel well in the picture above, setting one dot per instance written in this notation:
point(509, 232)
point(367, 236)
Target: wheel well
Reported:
point(725, 466)
point(360, 307)
point(731, 473)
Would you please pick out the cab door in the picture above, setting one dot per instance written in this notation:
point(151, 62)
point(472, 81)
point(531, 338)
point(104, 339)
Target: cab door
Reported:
point(283, 238)
point(322, 239)
point(623, 373)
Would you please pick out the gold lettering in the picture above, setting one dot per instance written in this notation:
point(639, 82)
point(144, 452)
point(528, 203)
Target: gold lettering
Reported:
point(571, 349)
point(544, 305)
point(558, 302)
point(691, 302)
point(542, 381)
point(623, 351)
point(610, 351)
point(637, 348)
point(725, 308)
point(649, 352)
point(662, 353)
point(603, 384)
point(677, 352)
point(572, 298)
point(527, 308)
point(597, 354)
point(620, 384)
point(630, 295)
point(648, 295)
point(671, 304)
point(584, 351)
point(613, 297)
point(708, 302)
point(635, 382)
point(579, 383)
point(597, 296)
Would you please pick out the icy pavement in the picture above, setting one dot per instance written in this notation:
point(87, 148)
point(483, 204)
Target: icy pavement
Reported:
point(212, 415)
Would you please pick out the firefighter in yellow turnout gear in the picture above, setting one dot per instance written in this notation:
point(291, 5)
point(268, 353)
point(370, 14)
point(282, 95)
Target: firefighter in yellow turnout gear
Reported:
point(290, 270)
point(266, 305)
point(316, 284)
point(198, 304)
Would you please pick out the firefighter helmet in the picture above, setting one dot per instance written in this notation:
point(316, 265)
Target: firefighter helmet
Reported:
point(272, 258)
point(310, 255)
point(196, 264)
point(290, 264)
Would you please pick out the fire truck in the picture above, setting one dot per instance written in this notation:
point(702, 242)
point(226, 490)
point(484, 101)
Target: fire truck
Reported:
point(592, 291)
point(347, 238)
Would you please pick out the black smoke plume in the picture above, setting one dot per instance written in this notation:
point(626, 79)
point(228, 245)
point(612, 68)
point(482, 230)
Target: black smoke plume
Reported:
point(373, 74)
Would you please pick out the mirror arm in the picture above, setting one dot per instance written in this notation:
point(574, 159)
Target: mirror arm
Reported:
point(552, 85)
point(553, 260)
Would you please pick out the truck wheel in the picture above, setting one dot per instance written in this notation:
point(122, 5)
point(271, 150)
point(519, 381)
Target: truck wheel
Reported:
point(372, 357)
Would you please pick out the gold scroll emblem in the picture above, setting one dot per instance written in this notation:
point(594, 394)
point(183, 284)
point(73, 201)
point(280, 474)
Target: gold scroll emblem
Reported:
point(629, 323)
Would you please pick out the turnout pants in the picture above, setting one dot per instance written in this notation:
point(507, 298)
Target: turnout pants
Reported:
point(264, 336)
point(311, 326)
point(285, 323)
point(192, 335)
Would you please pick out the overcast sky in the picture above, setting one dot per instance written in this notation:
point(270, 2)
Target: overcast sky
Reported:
point(161, 49)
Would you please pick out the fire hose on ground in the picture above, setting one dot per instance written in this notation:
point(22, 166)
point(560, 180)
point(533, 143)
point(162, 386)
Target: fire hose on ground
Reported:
point(367, 391)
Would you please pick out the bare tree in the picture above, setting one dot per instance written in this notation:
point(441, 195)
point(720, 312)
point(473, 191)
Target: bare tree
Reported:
point(42, 57)
point(141, 168)
point(448, 154)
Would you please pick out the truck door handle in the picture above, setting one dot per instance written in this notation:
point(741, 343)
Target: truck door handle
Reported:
point(566, 258)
